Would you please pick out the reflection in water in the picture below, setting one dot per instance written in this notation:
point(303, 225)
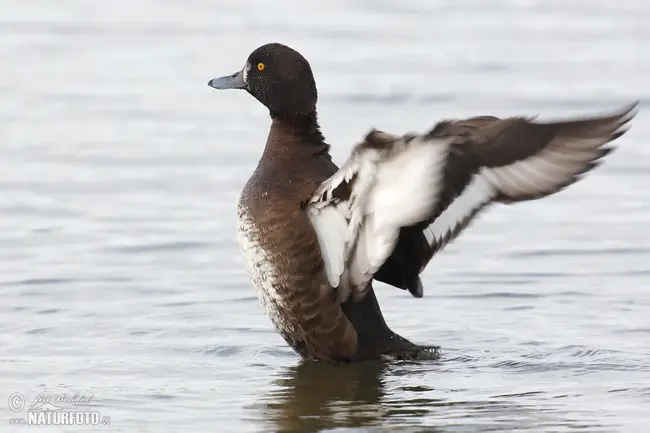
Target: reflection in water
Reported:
point(314, 396)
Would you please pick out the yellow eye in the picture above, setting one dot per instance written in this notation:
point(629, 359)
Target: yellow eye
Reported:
point(261, 66)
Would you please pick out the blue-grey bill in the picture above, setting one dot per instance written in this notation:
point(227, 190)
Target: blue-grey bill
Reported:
point(234, 81)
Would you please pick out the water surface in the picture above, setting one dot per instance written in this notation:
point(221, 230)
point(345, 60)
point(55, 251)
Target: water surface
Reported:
point(120, 169)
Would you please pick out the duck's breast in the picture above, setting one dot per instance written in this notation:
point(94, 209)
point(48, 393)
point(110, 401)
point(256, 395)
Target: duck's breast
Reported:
point(261, 265)
point(283, 259)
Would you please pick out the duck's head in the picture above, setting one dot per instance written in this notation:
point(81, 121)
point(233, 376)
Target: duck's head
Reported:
point(277, 76)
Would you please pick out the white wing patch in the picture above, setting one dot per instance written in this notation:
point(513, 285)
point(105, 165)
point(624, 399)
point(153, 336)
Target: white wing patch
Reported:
point(406, 188)
point(331, 226)
point(407, 185)
point(387, 189)
point(541, 174)
point(476, 194)
point(554, 167)
point(331, 221)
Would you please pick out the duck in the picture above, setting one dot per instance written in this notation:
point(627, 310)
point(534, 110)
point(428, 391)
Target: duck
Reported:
point(315, 236)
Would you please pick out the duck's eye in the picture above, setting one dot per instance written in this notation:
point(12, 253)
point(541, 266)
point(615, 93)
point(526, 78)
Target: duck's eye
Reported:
point(261, 66)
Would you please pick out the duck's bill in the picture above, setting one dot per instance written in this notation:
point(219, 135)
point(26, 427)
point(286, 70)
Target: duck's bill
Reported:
point(234, 81)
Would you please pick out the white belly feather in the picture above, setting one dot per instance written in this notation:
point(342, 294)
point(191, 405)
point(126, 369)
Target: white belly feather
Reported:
point(260, 267)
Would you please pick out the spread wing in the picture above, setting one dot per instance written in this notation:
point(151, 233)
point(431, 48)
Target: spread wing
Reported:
point(358, 212)
point(399, 200)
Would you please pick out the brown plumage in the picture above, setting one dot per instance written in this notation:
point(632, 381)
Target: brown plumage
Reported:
point(312, 272)
point(304, 307)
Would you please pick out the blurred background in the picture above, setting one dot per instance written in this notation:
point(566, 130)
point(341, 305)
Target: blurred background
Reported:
point(120, 169)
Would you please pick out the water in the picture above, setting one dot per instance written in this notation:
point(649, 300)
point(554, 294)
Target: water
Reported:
point(119, 272)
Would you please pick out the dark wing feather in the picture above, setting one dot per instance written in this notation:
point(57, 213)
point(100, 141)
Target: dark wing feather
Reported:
point(519, 158)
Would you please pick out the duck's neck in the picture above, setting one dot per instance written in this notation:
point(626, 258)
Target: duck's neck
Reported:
point(295, 133)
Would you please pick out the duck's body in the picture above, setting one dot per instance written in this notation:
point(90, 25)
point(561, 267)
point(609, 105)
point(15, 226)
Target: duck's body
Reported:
point(280, 249)
point(314, 236)
point(283, 258)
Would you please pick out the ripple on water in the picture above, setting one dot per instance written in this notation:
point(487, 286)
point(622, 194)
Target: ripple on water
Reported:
point(41, 281)
point(174, 246)
point(507, 295)
point(37, 331)
point(527, 254)
point(50, 311)
point(221, 351)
